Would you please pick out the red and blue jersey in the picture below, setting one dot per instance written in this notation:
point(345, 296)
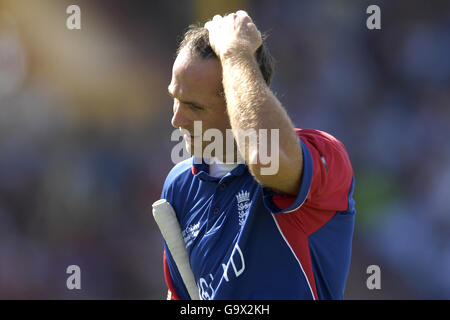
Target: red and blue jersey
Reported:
point(246, 241)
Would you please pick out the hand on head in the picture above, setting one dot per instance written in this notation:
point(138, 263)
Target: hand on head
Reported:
point(233, 34)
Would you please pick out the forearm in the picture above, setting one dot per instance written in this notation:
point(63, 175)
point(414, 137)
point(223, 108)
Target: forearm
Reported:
point(252, 105)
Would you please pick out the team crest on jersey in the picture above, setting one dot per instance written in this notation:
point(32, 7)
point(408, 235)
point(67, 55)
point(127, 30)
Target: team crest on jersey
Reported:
point(243, 205)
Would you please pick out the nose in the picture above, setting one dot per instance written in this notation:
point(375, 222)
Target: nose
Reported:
point(179, 119)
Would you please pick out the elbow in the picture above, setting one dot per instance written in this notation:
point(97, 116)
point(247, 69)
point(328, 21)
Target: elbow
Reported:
point(282, 173)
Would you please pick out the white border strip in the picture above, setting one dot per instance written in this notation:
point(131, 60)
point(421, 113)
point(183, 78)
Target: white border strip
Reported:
point(295, 209)
point(296, 258)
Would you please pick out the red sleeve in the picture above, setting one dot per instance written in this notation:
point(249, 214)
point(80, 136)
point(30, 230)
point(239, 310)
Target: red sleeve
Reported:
point(326, 182)
point(332, 171)
point(171, 294)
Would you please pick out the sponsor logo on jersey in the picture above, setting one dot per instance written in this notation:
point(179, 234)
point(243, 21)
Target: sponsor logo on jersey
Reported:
point(190, 233)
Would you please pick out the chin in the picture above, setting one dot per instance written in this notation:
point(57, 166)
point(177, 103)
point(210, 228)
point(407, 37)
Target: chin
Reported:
point(191, 150)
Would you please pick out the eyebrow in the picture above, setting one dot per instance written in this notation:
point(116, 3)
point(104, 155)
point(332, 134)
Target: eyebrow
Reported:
point(195, 104)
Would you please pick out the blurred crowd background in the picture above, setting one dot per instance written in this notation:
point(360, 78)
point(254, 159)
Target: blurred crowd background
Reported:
point(85, 135)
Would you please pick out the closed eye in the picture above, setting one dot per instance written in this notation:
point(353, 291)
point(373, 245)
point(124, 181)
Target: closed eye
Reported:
point(192, 105)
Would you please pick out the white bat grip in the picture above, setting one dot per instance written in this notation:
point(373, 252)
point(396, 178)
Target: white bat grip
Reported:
point(167, 221)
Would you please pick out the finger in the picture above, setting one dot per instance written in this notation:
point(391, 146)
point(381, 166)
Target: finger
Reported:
point(217, 18)
point(252, 26)
point(243, 17)
point(233, 15)
point(242, 13)
point(230, 18)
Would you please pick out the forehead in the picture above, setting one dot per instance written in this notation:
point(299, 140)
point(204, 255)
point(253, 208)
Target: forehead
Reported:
point(193, 75)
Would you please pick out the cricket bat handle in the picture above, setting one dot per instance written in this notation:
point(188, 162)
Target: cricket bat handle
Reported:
point(169, 226)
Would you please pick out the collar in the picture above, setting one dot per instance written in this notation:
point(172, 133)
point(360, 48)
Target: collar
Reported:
point(200, 168)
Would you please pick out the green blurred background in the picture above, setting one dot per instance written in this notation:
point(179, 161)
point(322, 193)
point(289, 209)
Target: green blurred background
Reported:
point(85, 135)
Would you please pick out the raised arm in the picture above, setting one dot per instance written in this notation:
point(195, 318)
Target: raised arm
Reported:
point(251, 104)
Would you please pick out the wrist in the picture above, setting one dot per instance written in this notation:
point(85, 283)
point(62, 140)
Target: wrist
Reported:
point(236, 53)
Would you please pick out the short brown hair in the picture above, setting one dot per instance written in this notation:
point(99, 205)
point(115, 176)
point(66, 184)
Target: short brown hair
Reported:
point(196, 38)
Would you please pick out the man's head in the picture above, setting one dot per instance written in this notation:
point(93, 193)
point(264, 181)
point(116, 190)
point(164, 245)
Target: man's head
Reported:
point(196, 40)
point(196, 85)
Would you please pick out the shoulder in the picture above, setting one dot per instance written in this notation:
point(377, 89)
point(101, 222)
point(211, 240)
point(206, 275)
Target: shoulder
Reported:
point(177, 175)
point(332, 171)
point(325, 146)
point(327, 176)
point(179, 169)
point(319, 139)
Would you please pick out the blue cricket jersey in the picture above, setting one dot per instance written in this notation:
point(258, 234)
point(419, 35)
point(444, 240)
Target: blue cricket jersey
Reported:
point(246, 241)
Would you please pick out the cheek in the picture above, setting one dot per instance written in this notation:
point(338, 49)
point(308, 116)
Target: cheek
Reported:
point(221, 117)
point(218, 122)
point(224, 122)
point(216, 117)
